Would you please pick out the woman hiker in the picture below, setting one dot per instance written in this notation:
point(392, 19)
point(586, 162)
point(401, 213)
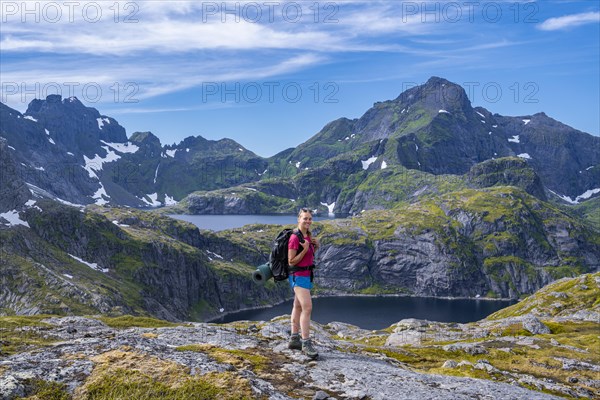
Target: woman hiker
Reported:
point(301, 255)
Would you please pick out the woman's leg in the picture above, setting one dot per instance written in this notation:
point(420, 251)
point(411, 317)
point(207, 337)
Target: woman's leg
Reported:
point(295, 320)
point(302, 297)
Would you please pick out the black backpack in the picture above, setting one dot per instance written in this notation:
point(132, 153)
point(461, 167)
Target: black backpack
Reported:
point(278, 260)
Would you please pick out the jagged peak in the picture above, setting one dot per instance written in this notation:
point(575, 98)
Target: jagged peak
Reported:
point(144, 138)
point(55, 101)
point(437, 94)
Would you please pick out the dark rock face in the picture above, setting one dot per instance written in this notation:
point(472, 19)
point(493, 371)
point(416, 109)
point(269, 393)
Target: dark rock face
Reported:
point(567, 160)
point(168, 275)
point(42, 160)
point(507, 171)
point(467, 252)
point(13, 191)
point(75, 125)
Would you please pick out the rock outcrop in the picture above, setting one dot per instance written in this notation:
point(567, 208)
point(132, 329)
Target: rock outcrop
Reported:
point(493, 242)
point(546, 352)
point(72, 261)
point(82, 356)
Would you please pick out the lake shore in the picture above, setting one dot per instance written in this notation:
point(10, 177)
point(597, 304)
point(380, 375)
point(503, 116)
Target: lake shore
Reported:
point(225, 314)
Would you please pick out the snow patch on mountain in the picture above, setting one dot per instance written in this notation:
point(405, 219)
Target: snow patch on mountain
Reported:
point(169, 201)
point(100, 195)
point(153, 200)
point(31, 204)
point(584, 196)
point(13, 218)
point(171, 153)
point(102, 121)
point(93, 165)
point(330, 207)
point(367, 163)
point(89, 264)
point(123, 147)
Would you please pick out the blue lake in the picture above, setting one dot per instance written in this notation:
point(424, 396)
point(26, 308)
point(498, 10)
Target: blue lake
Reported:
point(378, 312)
point(222, 222)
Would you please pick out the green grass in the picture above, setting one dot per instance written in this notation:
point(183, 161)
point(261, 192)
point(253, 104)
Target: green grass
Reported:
point(38, 389)
point(544, 300)
point(21, 333)
point(122, 374)
point(377, 289)
point(131, 384)
point(241, 359)
point(129, 321)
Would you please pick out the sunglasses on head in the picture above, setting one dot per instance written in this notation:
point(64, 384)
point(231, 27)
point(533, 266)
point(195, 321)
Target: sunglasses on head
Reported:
point(304, 210)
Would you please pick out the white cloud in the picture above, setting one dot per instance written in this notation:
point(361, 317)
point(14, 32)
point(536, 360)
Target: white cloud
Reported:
point(144, 79)
point(569, 21)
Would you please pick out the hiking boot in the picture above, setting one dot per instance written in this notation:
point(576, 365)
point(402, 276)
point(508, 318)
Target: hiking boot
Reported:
point(308, 349)
point(295, 343)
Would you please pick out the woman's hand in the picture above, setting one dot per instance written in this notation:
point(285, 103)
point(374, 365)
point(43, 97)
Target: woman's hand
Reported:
point(304, 245)
point(315, 242)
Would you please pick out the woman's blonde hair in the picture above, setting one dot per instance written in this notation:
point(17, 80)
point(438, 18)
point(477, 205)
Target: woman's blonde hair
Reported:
point(305, 210)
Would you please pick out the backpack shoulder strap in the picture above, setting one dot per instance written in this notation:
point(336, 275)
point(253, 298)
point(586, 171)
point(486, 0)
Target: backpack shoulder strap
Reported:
point(299, 234)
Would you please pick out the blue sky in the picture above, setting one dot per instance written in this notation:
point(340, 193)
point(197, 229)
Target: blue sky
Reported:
point(271, 74)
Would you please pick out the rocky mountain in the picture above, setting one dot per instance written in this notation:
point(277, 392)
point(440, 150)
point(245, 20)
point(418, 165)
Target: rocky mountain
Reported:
point(63, 260)
point(348, 185)
point(541, 348)
point(71, 153)
point(447, 201)
point(433, 128)
point(492, 242)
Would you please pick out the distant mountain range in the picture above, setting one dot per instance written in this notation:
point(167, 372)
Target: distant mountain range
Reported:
point(448, 201)
point(72, 153)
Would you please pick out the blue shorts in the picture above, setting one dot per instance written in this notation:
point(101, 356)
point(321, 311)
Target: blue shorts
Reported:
point(300, 281)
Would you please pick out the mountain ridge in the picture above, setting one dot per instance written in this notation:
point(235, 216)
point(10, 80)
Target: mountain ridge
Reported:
point(78, 155)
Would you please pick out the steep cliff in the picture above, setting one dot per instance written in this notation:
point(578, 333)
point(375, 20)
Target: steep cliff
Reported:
point(493, 242)
point(112, 261)
point(13, 190)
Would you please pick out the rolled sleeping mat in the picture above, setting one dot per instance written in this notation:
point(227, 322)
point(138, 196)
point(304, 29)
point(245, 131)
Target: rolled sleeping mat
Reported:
point(262, 274)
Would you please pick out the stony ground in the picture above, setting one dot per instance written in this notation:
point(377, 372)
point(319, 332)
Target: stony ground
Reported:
point(545, 347)
point(82, 350)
